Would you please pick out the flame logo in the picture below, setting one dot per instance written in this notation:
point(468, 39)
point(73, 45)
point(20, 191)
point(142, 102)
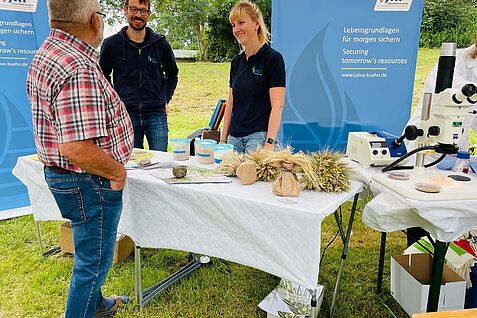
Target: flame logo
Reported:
point(323, 112)
point(16, 139)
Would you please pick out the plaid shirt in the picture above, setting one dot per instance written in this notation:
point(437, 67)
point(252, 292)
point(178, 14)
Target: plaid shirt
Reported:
point(71, 100)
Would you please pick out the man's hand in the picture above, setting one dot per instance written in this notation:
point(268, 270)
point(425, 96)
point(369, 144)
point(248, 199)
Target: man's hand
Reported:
point(119, 182)
point(89, 157)
point(167, 109)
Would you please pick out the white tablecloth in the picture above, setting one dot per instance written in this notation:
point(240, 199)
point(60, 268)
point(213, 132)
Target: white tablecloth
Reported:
point(388, 211)
point(245, 224)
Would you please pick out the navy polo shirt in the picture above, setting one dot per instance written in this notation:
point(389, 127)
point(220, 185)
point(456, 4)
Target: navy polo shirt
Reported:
point(251, 81)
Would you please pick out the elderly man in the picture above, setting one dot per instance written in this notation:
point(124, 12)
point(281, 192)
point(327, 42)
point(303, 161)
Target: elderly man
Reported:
point(83, 136)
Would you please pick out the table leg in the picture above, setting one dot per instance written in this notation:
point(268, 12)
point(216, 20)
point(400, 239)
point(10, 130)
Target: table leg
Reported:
point(51, 251)
point(38, 232)
point(382, 252)
point(440, 249)
point(313, 311)
point(138, 275)
point(345, 249)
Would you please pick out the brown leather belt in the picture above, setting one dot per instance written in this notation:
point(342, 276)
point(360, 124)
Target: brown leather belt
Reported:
point(57, 169)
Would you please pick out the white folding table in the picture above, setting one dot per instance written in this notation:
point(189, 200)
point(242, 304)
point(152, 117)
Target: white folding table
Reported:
point(244, 224)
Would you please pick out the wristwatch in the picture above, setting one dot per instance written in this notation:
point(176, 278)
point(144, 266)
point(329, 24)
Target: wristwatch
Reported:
point(271, 141)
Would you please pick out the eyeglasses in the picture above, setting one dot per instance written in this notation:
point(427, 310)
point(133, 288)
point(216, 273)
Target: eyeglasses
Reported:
point(98, 13)
point(135, 10)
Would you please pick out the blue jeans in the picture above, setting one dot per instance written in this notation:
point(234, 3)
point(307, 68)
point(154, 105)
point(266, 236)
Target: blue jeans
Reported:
point(248, 143)
point(94, 210)
point(154, 126)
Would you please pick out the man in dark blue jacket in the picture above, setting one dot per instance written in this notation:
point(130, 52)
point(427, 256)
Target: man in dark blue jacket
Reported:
point(144, 74)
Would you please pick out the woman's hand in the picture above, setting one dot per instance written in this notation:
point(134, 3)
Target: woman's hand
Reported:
point(268, 146)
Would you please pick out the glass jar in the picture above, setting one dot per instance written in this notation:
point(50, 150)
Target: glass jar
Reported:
point(463, 162)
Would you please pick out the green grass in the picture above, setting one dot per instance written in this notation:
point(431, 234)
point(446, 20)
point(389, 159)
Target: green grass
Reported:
point(36, 286)
point(200, 86)
point(426, 59)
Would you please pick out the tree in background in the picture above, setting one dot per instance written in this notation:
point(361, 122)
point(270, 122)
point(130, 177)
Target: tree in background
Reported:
point(448, 21)
point(221, 44)
point(113, 10)
point(184, 22)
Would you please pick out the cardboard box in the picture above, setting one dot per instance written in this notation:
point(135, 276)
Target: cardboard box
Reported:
point(410, 284)
point(211, 134)
point(124, 244)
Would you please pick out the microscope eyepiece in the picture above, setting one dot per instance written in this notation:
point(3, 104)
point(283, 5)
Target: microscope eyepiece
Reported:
point(469, 90)
point(472, 97)
point(466, 91)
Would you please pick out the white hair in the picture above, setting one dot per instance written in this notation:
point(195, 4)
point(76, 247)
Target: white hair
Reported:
point(78, 11)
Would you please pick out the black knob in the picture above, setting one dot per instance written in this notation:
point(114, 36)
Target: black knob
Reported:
point(384, 152)
point(434, 131)
point(412, 132)
point(469, 90)
point(375, 152)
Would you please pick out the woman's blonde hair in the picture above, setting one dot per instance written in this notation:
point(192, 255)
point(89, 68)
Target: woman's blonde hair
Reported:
point(246, 7)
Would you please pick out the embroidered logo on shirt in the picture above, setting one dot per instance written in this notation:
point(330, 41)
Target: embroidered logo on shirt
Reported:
point(152, 60)
point(257, 71)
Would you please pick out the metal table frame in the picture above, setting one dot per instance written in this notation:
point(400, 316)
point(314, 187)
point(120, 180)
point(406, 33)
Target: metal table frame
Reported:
point(145, 296)
point(52, 251)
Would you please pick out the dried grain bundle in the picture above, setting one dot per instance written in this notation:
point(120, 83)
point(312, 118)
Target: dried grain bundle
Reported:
point(230, 163)
point(265, 171)
point(298, 162)
point(331, 172)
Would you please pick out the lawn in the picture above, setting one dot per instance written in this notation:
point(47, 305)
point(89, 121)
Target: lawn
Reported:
point(36, 286)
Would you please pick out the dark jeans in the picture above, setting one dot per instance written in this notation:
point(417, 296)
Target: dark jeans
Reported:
point(154, 127)
point(94, 210)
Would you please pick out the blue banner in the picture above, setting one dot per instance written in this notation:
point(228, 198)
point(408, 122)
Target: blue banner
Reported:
point(23, 27)
point(350, 67)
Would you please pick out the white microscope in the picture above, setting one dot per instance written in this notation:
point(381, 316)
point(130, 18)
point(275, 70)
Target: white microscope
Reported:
point(440, 129)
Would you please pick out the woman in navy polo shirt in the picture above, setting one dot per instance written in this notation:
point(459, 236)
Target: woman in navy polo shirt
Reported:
point(257, 84)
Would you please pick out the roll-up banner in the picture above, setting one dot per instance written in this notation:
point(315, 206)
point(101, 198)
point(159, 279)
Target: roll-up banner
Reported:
point(350, 67)
point(23, 27)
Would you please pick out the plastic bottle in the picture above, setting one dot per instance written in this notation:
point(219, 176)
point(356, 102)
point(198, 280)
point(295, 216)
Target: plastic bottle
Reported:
point(462, 163)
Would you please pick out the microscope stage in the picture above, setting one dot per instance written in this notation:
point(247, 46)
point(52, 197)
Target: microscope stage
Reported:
point(450, 189)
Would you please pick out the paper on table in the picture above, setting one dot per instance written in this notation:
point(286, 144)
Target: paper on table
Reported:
point(192, 180)
point(153, 165)
point(130, 165)
point(194, 175)
point(157, 165)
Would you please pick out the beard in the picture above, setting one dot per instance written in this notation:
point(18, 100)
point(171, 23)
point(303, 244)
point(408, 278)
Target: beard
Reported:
point(141, 20)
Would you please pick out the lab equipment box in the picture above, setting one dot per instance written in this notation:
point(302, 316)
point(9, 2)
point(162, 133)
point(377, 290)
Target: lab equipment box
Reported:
point(410, 275)
point(124, 244)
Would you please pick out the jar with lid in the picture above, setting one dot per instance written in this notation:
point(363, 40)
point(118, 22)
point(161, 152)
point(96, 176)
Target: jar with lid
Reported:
point(463, 162)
